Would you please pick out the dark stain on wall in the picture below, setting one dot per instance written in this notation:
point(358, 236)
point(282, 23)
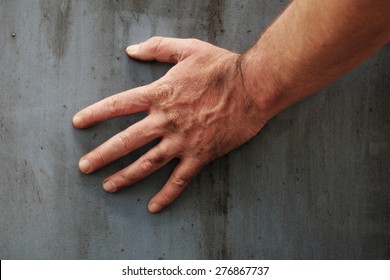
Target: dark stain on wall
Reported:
point(214, 20)
point(56, 15)
point(137, 7)
point(215, 210)
point(377, 245)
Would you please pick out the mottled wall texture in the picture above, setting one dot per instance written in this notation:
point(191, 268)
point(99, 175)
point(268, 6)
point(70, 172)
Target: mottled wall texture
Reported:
point(314, 184)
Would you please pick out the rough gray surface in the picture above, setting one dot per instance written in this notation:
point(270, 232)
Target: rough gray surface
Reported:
point(314, 184)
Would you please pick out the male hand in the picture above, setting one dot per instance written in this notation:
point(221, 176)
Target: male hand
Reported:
point(200, 110)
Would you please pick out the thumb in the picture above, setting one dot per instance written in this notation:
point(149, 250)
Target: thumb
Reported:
point(163, 49)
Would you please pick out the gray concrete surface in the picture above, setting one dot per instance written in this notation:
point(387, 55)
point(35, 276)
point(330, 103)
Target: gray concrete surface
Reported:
point(314, 184)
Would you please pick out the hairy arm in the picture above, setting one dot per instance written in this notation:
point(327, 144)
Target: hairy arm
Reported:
point(311, 44)
point(214, 100)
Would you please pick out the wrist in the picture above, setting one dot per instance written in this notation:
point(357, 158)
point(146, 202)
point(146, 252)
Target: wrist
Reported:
point(261, 83)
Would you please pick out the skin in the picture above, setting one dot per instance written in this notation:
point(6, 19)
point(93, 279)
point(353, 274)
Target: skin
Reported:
point(214, 100)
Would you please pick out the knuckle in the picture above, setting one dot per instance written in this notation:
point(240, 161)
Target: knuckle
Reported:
point(162, 152)
point(178, 182)
point(194, 44)
point(162, 92)
point(124, 140)
point(156, 44)
point(97, 158)
point(170, 121)
point(91, 116)
point(113, 105)
point(158, 158)
point(124, 180)
point(166, 197)
point(155, 40)
point(146, 164)
point(193, 41)
point(154, 159)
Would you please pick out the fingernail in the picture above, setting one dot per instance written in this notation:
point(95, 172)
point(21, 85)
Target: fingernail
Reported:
point(109, 186)
point(132, 49)
point(154, 207)
point(85, 166)
point(77, 120)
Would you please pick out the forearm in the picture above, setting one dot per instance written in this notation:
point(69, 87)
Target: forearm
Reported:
point(311, 44)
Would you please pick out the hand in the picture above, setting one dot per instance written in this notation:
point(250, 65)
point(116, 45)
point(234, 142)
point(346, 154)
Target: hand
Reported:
point(200, 110)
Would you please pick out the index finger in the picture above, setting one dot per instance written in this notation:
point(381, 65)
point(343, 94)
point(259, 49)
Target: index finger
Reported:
point(125, 103)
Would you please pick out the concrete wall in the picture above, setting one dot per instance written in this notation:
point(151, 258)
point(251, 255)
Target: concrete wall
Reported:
point(314, 184)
